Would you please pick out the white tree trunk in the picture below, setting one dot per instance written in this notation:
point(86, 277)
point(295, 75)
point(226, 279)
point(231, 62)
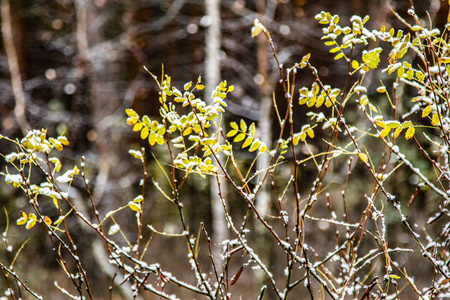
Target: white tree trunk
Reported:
point(212, 76)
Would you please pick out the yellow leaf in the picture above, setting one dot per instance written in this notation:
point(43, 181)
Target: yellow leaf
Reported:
point(55, 202)
point(406, 124)
point(427, 110)
point(392, 124)
point(340, 55)
point(239, 137)
point(47, 220)
point(384, 132)
point(363, 157)
point(243, 126)
point(138, 126)
point(161, 131)
point(381, 89)
point(355, 64)
point(152, 138)
point(134, 206)
point(252, 129)
point(144, 133)
point(397, 131)
point(320, 101)
point(435, 119)
point(311, 101)
point(410, 132)
point(131, 113)
point(23, 219)
point(232, 133)
point(187, 131)
point(254, 146)
point(381, 124)
point(310, 133)
point(247, 142)
point(444, 60)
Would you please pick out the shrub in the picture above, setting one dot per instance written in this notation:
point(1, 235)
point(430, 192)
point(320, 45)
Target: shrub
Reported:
point(374, 235)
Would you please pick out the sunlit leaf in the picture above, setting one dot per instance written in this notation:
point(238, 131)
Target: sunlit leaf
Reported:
point(144, 133)
point(397, 131)
point(232, 133)
point(435, 119)
point(234, 125)
point(339, 56)
point(47, 220)
point(381, 89)
point(363, 157)
point(252, 129)
point(243, 125)
point(406, 124)
point(254, 146)
point(427, 110)
point(131, 113)
point(138, 126)
point(239, 137)
point(410, 132)
point(247, 142)
point(384, 132)
point(23, 218)
point(146, 121)
point(134, 206)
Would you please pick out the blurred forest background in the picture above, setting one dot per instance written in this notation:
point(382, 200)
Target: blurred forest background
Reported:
point(77, 64)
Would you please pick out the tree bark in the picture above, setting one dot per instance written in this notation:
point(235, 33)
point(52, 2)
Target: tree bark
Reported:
point(14, 67)
point(212, 74)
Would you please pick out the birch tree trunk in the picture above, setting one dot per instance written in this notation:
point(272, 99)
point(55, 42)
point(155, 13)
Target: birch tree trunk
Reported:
point(212, 75)
point(264, 120)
